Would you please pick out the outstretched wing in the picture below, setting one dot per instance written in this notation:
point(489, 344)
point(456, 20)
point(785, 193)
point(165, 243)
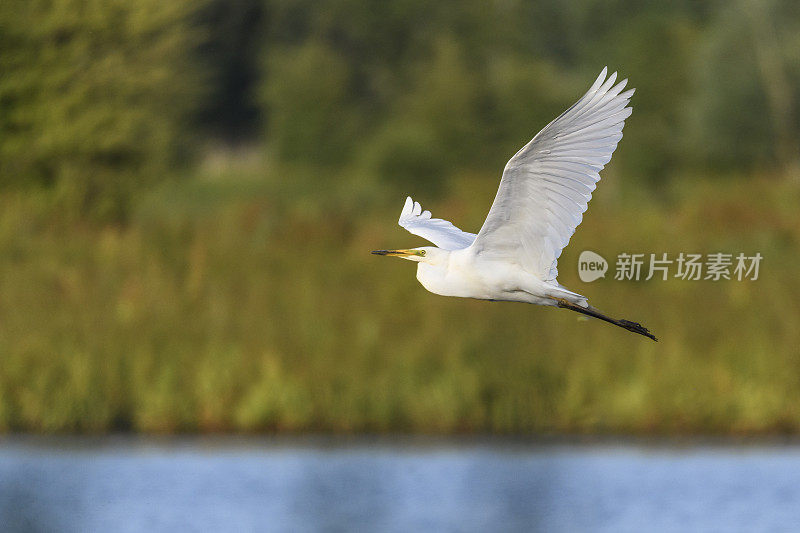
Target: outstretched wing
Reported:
point(547, 185)
point(440, 232)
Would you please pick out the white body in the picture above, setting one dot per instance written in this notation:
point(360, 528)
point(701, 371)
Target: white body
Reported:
point(464, 274)
point(543, 193)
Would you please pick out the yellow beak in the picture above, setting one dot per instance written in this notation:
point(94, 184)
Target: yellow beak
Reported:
point(397, 253)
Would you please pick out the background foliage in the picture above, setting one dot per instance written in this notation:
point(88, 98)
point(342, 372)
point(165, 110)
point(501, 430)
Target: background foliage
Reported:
point(188, 191)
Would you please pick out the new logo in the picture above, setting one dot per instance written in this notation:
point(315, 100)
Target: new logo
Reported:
point(591, 266)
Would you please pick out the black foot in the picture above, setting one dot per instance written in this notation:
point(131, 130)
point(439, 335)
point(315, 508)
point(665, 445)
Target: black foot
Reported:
point(637, 328)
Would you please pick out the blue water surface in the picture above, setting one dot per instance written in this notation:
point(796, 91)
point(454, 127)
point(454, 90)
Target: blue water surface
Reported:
point(121, 484)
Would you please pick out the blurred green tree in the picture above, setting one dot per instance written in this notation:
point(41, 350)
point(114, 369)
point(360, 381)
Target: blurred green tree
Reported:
point(307, 93)
point(432, 127)
point(231, 54)
point(98, 99)
point(744, 113)
point(95, 97)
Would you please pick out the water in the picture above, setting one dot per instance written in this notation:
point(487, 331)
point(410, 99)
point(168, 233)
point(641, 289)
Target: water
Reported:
point(302, 485)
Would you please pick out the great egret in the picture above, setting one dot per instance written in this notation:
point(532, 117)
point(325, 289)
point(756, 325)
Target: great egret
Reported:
point(544, 190)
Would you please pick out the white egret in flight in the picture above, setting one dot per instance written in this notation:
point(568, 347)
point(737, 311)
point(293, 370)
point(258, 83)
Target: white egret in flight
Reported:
point(544, 190)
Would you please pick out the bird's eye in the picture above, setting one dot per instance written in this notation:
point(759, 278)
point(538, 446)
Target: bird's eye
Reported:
point(422, 253)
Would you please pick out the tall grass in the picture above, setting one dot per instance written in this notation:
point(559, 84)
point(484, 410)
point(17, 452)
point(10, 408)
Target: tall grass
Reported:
point(233, 303)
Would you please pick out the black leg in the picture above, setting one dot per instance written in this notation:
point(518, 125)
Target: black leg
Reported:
point(635, 327)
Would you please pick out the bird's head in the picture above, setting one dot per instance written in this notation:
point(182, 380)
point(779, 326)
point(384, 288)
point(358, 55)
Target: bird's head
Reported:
point(425, 254)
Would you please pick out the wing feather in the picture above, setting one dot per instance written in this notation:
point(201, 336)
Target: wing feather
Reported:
point(440, 232)
point(547, 185)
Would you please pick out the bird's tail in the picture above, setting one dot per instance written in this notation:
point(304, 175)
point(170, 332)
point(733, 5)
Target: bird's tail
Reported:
point(591, 311)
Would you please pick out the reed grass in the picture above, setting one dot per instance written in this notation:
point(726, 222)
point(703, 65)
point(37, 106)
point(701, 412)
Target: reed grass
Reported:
point(233, 303)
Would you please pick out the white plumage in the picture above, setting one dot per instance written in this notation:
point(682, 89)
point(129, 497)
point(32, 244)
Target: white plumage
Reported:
point(544, 191)
point(440, 232)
